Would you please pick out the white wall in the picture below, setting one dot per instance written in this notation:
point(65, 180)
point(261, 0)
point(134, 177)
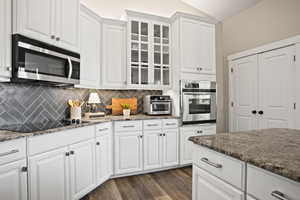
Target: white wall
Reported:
point(266, 22)
point(116, 8)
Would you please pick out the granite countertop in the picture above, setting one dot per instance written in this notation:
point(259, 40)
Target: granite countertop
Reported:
point(275, 150)
point(9, 135)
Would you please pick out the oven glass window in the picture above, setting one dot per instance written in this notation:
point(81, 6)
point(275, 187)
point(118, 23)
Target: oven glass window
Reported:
point(160, 107)
point(200, 105)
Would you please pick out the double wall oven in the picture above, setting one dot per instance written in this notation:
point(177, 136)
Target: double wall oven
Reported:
point(35, 61)
point(198, 102)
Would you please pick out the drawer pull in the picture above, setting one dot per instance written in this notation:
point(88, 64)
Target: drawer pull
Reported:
point(205, 160)
point(9, 152)
point(132, 126)
point(279, 195)
point(152, 125)
point(170, 124)
point(102, 129)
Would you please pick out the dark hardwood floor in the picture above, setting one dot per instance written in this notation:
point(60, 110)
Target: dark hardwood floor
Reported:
point(166, 185)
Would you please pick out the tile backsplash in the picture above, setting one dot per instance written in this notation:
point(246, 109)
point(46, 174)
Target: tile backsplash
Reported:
point(22, 103)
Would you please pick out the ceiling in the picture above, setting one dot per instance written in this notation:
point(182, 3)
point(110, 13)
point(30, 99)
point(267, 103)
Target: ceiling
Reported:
point(221, 9)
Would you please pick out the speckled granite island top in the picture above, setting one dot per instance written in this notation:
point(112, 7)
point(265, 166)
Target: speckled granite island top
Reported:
point(275, 150)
point(10, 135)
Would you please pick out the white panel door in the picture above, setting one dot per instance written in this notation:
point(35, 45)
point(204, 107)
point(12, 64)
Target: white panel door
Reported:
point(103, 158)
point(36, 19)
point(207, 55)
point(5, 38)
point(186, 145)
point(13, 181)
point(90, 49)
point(114, 56)
point(152, 149)
point(49, 175)
point(82, 168)
point(208, 187)
point(170, 147)
point(128, 152)
point(67, 24)
point(276, 93)
point(190, 47)
point(297, 85)
point(244, 93)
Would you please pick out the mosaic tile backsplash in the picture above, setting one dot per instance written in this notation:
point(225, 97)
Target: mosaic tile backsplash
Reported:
point(21, 103)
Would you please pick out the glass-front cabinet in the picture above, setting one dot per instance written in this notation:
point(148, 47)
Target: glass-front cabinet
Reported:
point(149, 54)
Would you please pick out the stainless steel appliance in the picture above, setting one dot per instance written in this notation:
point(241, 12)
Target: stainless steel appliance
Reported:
point(198, 102)
point(35, 61)
point(157, 105)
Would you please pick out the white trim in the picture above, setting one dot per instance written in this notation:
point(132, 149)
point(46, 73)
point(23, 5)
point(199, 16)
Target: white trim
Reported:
point(136, 14)
point(206, 19)
point(264, 48)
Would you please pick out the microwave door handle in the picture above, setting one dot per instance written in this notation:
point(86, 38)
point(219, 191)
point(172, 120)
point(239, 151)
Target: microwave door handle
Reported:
point(70, 68)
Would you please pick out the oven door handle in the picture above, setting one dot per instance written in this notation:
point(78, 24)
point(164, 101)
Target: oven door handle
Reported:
point(70, 68)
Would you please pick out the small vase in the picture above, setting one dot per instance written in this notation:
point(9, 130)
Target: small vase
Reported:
point(126, 113)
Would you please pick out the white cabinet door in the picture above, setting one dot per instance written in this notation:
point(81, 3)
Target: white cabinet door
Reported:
point(49, 175)
point(13, 181)
point(90, 49)
point(103, 158)
point(197, 51)
point(170, 147)
point(244, 93)
point(206, 186)
point(276, 93)
point(186, 146)
point(114, 65)
point(82, 168)
point(297, 85)
point(67, 24)
point(5, 38)
point(152, 149)
point(128, 152)
point(36, 19)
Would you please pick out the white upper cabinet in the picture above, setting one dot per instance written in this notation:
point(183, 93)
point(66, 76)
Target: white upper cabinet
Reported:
point(90, 49)
point(5, 38)
point(114, 54)
point(197, 46)
point(149, 44)
point(52, 21)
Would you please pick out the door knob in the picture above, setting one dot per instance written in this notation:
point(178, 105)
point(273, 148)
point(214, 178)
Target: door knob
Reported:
point(254, 112)
point(261, 112)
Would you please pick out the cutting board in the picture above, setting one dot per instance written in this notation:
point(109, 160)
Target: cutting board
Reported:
point(117, 108)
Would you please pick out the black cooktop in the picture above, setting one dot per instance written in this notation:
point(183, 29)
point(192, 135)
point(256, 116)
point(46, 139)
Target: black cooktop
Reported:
point(35, 127)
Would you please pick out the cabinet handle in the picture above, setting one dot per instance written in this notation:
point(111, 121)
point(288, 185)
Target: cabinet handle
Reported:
point(9, 152)
point(98, 143)
point(152, 125)
point(164, 134)
point(261, 112)
point(205, 160)
point(72, 152)
point(160, 134)
point(254, 112)
point(57, 38)
point(52, 37)
point(141, 136)
point(8, 69)
point(199, 132)
point(24, 169)
point(128, 126)
point(278, 195)
point(170, 124)
point(103, 129)
point(67, 153)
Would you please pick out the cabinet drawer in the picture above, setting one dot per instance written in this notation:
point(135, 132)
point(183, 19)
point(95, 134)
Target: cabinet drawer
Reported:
point(261, 184)
point(170, 123)
point(43, 143)
point(209, 129)
point(12, 150)
point(129, 126)
point(152, 124)
point(103, 129)
point(222, 166)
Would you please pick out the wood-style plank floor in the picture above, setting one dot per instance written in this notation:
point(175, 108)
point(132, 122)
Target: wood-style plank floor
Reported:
point(173, 184)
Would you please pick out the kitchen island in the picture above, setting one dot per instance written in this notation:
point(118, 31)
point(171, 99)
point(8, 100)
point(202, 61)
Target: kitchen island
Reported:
point(262, 164)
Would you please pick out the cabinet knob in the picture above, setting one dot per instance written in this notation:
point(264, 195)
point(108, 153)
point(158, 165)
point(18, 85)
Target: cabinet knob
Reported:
point(254, 112)
point(67, 154)
point(52, 37)
point(24, 169)
point(98, 143)
point(57, 39)
point(261, 112)
point(141, 136)
point(72, 152)
point(199, 132)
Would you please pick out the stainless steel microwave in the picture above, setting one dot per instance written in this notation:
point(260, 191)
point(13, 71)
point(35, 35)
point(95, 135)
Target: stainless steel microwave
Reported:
point(198, 102)
point(38, 62)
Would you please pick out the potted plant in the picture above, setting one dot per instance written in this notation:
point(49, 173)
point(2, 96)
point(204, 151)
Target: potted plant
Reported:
point(126, 109)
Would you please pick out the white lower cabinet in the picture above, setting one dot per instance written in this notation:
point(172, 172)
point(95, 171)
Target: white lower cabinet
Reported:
point(103, 158)
point(170, 147)
point(128, 152)
point(49, 175)
point(82, 168)
point(13, 181)
point(207, 186)
point(152, 149)
point(186, 146)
